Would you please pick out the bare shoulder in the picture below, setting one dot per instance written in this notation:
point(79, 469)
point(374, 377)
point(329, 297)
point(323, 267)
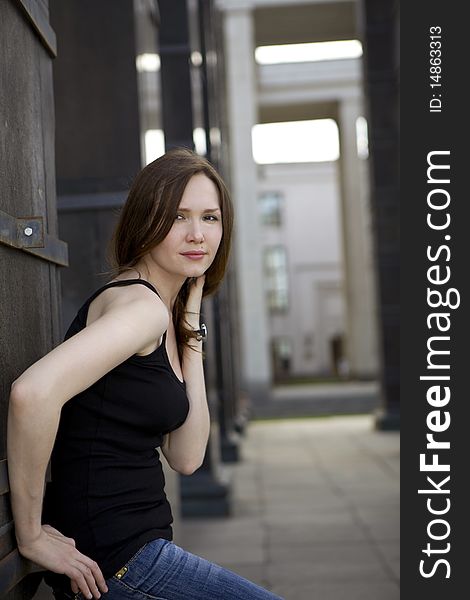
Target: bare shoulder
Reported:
point(120, 326)
point(137, 298)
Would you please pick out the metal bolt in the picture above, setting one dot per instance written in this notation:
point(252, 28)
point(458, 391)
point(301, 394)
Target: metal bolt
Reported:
point(28, 231)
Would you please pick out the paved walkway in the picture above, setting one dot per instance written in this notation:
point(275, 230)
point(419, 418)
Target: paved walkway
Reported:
point(307, 400)
point(315, 510)
point(316, 506)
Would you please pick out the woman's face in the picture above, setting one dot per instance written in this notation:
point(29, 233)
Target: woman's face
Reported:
point(191, 244)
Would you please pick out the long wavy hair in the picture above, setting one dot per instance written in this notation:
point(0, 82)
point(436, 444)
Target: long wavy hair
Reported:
point(149, 213)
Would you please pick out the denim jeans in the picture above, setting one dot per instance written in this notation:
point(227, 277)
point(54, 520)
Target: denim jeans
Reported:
point(161, 570)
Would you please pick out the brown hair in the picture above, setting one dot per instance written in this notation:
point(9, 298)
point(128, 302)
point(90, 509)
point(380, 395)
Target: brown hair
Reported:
point(149, 213)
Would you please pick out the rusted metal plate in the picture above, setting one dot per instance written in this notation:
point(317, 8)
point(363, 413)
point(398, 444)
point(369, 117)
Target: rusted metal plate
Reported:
point(27, 234)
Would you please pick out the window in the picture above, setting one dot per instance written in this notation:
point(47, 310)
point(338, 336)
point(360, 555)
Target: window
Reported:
point(310, 51)
point(275, 269)
point(270, 208)
point(154, 142)
point(362, 140)
point(315, 140)
point(281, 356)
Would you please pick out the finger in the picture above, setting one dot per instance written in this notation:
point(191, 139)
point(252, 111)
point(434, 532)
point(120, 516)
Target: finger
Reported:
point(78, 578)
point(96, 572)
point(74, 586)
point(90, 580)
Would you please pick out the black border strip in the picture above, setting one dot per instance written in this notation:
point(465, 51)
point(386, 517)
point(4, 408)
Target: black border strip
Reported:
point(434, 119)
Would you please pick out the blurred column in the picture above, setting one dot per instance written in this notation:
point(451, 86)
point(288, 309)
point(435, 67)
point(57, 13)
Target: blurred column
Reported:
point(381, 26)
point(242, 116)
point(225, 349)
point(361, 332)
point(202, 494)
point(175, 56)
point(97, 133)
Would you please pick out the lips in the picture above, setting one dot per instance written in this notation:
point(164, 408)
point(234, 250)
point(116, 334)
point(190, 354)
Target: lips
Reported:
point(194, 254)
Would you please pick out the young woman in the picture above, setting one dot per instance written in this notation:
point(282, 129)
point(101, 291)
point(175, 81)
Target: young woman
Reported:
point(127, 382)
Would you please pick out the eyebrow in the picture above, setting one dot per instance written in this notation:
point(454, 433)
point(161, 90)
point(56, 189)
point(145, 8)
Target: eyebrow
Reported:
point(205, 210)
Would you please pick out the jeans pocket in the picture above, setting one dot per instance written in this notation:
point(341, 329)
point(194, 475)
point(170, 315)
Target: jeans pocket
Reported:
point(141, 573)
point(123, 570)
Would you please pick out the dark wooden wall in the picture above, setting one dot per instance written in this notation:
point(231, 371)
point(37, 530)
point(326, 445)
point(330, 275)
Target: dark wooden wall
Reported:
point(85, 104)
point(29, 277)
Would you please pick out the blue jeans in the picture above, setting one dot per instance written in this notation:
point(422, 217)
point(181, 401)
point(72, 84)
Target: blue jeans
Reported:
point(161, 570)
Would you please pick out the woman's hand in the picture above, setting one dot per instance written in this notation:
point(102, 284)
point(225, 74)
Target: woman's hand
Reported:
point(57, 553)
point(196, 285)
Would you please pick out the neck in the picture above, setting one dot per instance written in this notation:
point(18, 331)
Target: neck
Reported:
point(167, 285)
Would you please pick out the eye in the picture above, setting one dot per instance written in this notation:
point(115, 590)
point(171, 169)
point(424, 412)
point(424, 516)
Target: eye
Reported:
point(179, 215)
point(212, 217)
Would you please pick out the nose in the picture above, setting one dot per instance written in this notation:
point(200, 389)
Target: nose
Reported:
point(195, 232)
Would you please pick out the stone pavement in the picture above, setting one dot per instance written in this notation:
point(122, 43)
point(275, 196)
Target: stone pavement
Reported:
point(311, 400)
point(315, 510)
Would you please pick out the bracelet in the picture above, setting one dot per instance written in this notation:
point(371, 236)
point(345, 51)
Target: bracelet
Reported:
point(192, 313)
point(201, 334)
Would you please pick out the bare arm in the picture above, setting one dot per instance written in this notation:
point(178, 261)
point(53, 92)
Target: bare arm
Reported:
point(184, 448)
point(37, 396)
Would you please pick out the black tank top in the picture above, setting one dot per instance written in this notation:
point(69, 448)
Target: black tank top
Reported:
point(107, 482)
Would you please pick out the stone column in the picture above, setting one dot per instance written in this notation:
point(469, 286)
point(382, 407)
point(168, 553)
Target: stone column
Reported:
point(202, 494)
point(380, 25)
point(361, 315)
point(242, 116)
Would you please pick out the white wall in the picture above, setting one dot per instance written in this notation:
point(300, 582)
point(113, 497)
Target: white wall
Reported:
point(311, 233)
